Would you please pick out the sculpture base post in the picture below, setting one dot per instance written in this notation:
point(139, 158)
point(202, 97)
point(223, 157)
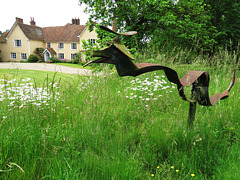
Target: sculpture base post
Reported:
point(192, 112)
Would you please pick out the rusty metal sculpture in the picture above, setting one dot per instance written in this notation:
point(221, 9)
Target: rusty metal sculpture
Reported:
point(117, 54)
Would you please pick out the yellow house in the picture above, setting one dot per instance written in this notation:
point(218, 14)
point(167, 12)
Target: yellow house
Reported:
point(62, 42)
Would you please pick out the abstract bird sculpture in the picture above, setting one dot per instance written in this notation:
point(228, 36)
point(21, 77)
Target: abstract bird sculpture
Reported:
point(117, 54)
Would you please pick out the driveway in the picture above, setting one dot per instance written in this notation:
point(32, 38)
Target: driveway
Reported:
point(46, 67)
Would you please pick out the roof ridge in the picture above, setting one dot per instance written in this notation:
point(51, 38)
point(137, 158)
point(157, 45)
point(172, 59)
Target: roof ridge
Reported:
point(66, 33)
point(28, 25)
point(3, 37)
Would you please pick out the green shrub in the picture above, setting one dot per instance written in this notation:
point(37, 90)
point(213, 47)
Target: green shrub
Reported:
point(41, 61)
point(63, 61)
point(53, 59)
point(32, 58)
point(0, 56)
point(77, 58)
point(23, 61)
point(39, 52)
point(75, 61)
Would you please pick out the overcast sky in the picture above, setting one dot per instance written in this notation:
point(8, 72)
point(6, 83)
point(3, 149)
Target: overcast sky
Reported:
point(45, 12)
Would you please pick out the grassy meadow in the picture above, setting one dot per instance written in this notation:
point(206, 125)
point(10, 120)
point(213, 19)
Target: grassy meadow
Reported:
point(58, 126)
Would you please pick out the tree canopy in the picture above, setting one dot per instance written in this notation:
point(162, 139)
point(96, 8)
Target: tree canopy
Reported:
point(201, 24)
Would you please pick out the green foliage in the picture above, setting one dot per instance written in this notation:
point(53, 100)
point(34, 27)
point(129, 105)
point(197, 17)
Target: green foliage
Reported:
point(77, 58)
point(75, 61)
point(181, 23)
point(102, 41)
point(32, 58)
point(0, 56)
point(54, 60)
point(225, 18)
point(39, 53)
point(87, 45)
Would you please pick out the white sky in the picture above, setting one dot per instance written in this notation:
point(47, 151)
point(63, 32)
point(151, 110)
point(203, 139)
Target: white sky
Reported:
point(45, 12)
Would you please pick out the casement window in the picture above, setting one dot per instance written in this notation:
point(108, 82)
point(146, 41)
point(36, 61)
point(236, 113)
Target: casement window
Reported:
point(23, 56)
point(92, 41)
point(13, 56)
point(73, 45)
point(73, 56)
point(48, 45)
point(18, 43)
point(60, 55)
point(60, 45)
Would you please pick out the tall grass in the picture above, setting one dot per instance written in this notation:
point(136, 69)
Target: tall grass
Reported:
point(177, 55)
point(120, 128)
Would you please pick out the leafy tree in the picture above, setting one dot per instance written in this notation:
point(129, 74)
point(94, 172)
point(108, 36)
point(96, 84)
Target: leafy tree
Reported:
point(185, 23)
point(225, 17)
point(103, 38)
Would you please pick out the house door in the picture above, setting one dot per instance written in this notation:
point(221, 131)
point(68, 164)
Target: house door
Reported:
point(46, 57)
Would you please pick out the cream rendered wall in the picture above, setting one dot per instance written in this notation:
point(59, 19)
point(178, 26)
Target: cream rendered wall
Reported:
point(9, 46)
point(35, 44)
point(86, 34)
point(1, 49)
point(66, 50)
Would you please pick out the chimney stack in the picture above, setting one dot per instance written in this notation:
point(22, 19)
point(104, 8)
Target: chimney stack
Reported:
point(78, 21)
point(19, 20)
point(32, 22)
point(75, 21)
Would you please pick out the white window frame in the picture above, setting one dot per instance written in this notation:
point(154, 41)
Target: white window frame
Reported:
point(17, 43)
point(24, 56)
point(13, 55)
point(73, 56)
point(61, 45)
point(73, 46)
point(48, 45)
point(93, 41)
point(61, 54)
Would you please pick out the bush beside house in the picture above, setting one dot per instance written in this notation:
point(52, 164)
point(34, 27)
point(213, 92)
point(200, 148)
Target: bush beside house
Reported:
point(0, 56)
point(32, 59)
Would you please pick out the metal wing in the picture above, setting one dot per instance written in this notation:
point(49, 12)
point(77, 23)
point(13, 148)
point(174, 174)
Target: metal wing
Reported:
point(130, 33)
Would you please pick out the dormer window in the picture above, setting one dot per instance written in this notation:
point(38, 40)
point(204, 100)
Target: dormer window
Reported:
point(60, 46)
point(18, 43)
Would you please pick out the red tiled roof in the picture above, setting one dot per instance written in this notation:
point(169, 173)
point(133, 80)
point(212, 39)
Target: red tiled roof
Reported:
point(67, 33)
point(3, 36)
point(32, 32)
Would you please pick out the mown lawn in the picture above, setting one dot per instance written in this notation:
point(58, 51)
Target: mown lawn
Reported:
point(115, 128)
point(73, 65)
point(38, 77)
